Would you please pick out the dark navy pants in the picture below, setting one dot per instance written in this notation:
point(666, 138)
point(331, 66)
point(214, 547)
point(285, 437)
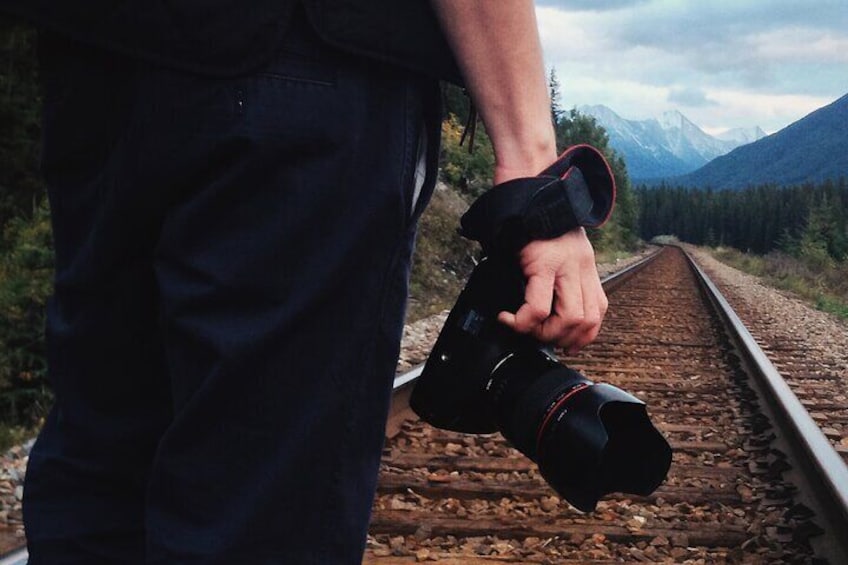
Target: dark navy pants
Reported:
point(232, 259)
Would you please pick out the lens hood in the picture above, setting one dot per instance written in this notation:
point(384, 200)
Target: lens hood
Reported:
point(602, 442)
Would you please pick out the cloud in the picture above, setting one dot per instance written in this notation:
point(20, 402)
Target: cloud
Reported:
point(690, 96)
point(801, 44)
point(596, 6)
point(642, 57)
point(773, 111)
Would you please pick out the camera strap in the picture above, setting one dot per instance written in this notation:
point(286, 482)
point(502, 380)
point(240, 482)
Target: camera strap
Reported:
point(577, 190)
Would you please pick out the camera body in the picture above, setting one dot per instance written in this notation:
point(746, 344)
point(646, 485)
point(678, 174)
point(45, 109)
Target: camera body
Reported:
point(481, 377)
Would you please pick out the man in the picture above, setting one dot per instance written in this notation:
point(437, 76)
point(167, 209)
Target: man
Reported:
point(234, 194)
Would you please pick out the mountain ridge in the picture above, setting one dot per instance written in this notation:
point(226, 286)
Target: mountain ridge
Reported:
point(812, 149)
point(668, 145)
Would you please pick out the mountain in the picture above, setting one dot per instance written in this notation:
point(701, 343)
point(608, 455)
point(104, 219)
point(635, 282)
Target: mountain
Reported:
point(742, 136)
point(665, 146)
point(812, 149)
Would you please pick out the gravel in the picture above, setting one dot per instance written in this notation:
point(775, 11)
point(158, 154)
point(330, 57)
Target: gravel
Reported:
point(728, 483)
point(809, 347)
point(12, 470)
point(823, 333)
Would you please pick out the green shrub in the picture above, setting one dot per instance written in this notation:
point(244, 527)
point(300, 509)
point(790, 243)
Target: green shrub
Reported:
point(26, 269)
point(11, 436)
point(833, 305)
point(814, 277)
point(469, 172)
point(665, 240)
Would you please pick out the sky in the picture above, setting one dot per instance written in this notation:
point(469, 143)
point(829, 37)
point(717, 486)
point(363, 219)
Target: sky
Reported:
point(722, 63)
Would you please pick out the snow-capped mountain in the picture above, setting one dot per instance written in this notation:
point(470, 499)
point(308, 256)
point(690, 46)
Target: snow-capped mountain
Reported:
point(742, 136)
point(665, 146)
point(811, 150)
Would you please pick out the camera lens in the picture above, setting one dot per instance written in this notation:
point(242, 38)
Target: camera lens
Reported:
point(588, 439)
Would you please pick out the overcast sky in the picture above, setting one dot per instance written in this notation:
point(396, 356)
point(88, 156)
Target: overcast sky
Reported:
point(722, 63)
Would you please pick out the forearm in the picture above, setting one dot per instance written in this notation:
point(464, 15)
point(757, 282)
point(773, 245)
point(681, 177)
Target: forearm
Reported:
point(497, 46)
point(496, 43)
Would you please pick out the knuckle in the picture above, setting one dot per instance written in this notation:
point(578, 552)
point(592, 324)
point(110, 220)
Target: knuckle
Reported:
point(592, 321)
point(576, 320)
point(537, 313)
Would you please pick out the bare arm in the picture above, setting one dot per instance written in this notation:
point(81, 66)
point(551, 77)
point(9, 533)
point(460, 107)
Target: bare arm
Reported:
point(497, 45)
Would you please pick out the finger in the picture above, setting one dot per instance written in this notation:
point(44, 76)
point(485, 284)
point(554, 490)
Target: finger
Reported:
point(538, 297)
point(595, 307)
point(567, 312)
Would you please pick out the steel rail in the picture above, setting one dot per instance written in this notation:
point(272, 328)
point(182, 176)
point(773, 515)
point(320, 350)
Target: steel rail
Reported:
point(823, 476)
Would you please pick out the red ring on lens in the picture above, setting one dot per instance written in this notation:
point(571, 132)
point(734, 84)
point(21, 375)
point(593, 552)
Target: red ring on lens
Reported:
point(552, 411)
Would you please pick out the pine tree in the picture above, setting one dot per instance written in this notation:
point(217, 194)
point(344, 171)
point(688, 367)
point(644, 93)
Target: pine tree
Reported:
point(553, 85)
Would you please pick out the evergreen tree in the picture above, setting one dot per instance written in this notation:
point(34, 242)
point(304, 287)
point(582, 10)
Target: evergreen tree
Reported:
point(553, 85)
point(468, 171)
point(803, 220)
point(20, 115)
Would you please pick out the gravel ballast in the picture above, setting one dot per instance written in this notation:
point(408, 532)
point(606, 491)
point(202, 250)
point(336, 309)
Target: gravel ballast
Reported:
point(809, 347)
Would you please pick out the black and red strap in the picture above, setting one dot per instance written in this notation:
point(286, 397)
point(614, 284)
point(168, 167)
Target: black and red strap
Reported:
point(578, 189)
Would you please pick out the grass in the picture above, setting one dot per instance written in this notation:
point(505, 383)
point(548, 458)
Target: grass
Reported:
point(822, 285)
point(832, 305)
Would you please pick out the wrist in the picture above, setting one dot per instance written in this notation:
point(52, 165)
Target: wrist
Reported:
point(525, 163)
point(523, 156)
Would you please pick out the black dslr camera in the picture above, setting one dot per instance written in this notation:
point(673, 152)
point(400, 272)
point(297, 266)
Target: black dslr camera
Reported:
point(588, 439)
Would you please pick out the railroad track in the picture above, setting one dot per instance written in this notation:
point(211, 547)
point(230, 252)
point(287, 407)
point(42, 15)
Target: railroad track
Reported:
point(740, 489)
point(734, 494)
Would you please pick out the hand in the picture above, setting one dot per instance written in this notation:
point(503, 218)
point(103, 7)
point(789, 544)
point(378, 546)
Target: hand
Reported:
point(564, 302)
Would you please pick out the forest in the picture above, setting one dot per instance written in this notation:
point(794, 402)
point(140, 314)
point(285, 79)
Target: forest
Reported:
point(812, 217)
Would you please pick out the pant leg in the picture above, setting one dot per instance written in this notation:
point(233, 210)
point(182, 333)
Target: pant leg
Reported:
point(88, 472)
point(283, 278)
point(278, 208)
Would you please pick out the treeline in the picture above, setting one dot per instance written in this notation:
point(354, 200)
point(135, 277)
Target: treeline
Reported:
point(26, 256)
point(808, 219)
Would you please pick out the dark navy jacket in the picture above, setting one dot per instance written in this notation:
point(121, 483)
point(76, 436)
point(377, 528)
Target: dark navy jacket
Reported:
point(228, 37)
